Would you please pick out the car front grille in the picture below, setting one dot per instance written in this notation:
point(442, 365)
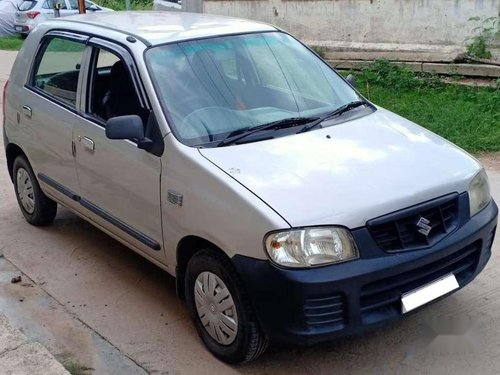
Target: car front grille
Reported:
point(381, 299)
point(326, 311)
point(399, 231)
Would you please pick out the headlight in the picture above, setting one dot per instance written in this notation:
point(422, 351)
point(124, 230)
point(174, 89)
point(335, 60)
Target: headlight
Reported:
point(479, 193)
point(311, 246)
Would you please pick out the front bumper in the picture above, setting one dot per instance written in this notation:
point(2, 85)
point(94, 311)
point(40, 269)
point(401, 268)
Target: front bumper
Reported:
point(313, 305)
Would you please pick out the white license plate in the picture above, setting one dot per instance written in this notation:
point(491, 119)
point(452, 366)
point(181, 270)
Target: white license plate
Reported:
point(428, 292)
point(19, 28)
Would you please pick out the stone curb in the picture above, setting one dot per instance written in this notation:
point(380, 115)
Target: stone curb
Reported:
point(471, 70)
point(438, 53)
point(19, 356)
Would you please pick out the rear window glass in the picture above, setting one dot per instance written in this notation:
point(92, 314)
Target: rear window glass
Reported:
point(27, 5)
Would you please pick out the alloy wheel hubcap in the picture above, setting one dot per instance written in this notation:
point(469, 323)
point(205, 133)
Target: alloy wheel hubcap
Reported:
point(216, 308)
point(25, 190)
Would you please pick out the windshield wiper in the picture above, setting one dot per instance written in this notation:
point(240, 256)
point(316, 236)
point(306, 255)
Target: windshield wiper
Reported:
point(339, 111)
point(275, 125)
point(311, 122)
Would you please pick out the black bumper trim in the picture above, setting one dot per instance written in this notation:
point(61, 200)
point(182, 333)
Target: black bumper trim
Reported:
point(121, 225)
point(282, 297)
point(56, 185)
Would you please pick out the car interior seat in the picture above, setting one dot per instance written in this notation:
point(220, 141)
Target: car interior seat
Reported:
point(121, 98)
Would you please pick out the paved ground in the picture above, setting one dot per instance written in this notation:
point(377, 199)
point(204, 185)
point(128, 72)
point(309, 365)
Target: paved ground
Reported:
point(19, 356)
point(45, 320)
point(100, 305)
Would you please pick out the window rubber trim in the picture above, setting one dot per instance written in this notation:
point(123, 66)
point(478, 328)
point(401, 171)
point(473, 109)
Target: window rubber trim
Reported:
point(126, 56)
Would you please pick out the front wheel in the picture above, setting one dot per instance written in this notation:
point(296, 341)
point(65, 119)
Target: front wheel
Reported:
point(36, 207)
point(220, 309)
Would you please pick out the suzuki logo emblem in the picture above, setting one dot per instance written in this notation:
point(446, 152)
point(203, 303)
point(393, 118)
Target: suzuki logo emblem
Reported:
point(424, 226)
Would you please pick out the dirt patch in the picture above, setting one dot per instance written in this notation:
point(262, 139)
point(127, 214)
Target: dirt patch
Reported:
point(472, 81)
point(491, 160)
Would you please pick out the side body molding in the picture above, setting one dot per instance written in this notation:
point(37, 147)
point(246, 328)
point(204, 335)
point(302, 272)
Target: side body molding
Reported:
point(151, 243)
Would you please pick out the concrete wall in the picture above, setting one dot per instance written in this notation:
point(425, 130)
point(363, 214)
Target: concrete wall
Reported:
point(378, 25)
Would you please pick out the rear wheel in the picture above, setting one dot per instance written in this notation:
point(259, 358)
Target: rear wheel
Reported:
point(36, 207)
point(220, 309)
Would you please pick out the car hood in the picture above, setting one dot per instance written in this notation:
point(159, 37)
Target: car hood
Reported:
point(348, 173)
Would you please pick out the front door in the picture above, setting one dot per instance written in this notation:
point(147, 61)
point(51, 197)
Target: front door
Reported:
point(119, 183)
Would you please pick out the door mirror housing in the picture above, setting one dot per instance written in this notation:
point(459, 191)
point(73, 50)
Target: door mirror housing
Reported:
point(125, 127)
point(129, 127)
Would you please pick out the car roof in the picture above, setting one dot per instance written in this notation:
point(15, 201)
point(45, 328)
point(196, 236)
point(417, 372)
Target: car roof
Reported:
point(164, 27)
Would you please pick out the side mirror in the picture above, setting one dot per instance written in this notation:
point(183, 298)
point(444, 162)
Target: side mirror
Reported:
point(128, 127)
point(351, 80)
point(125, 127)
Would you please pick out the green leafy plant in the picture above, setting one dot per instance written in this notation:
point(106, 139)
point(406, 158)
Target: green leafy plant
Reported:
point(487, 31)
point(387, 74)
point(120, 4)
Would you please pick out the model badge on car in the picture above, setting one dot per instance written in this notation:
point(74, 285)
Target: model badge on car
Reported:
point(424, 226)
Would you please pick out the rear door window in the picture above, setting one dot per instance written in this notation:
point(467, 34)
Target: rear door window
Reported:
point(58, 68)
point(27, 5)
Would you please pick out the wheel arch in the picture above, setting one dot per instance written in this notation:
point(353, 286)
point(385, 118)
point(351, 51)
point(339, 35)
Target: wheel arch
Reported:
point(186, 249)
point(12, 151)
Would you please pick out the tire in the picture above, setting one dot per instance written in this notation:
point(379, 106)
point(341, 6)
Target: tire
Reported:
point(37, 208)
point(24, 36)
point(249, 342)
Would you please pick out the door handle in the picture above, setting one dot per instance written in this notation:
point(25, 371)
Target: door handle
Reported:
point(87, 143)
point(27, 111)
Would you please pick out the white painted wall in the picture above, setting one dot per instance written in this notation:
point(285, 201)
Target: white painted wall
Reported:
point(379, 23)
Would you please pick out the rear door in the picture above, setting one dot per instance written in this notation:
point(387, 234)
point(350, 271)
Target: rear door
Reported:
point(49, 111)
point(119, 183)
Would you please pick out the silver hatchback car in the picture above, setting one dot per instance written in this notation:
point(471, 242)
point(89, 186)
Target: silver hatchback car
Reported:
point(286, 205)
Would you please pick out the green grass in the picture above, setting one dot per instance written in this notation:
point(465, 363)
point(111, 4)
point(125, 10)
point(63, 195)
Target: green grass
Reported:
point(73, 367)
point(120, 4)
point(467, 116)
point(11, 43)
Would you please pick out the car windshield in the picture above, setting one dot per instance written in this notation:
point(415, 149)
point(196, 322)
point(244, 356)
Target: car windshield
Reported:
point(27, 5)
point(212, 88)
